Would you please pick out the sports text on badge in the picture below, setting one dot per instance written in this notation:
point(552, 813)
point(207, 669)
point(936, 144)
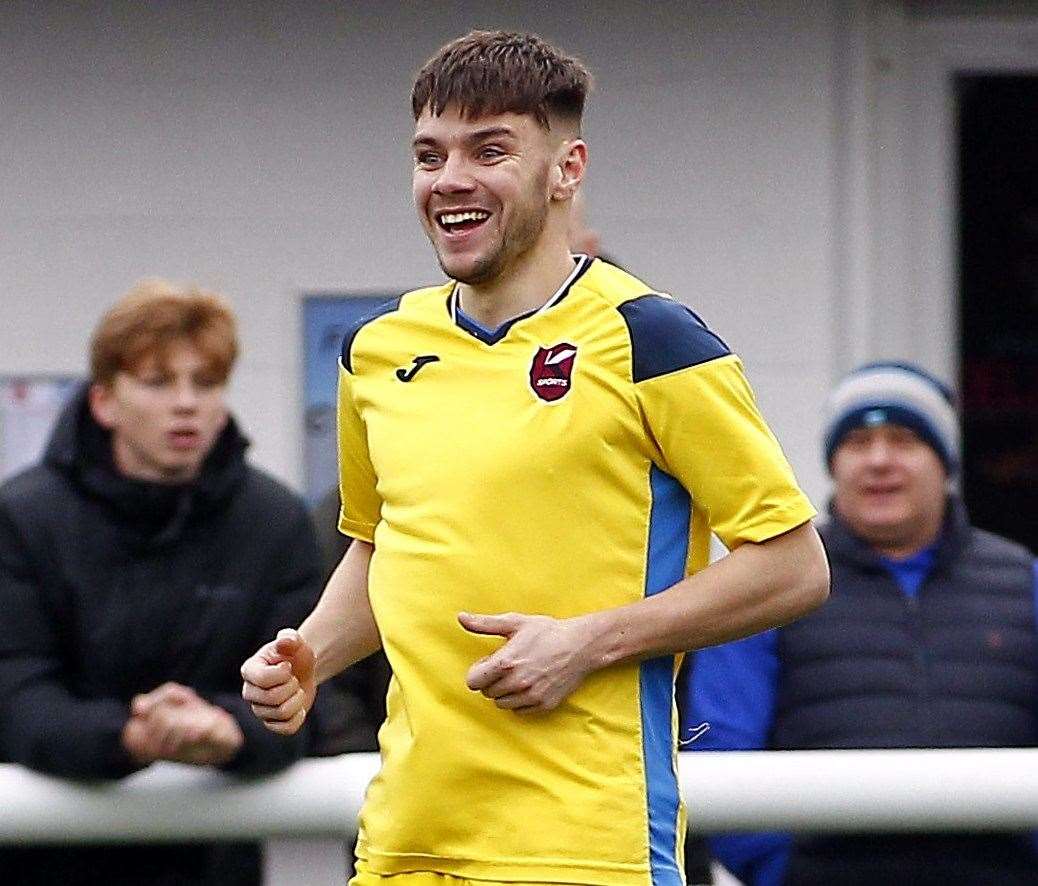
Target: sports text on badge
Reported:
point(551, 372)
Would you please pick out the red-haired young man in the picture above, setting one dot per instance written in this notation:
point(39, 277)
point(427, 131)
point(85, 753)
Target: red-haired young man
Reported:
point(138, 563)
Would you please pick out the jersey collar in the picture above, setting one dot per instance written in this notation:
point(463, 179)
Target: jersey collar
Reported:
point(492, 336)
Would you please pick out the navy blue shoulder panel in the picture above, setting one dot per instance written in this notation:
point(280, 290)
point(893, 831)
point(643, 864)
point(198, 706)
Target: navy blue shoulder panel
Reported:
point(358, 324)
point(667, 336)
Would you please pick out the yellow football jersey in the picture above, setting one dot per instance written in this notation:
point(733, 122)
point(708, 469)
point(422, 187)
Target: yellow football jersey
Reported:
point(573, 460)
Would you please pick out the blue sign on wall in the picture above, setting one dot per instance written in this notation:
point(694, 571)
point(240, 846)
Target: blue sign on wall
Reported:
point(325, 319)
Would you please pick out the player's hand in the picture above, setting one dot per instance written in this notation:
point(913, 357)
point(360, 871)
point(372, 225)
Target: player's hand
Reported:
point(280, 683)
point(541, 663)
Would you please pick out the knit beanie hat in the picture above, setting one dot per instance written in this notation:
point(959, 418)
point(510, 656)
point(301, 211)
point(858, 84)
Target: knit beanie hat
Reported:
point(899, 394)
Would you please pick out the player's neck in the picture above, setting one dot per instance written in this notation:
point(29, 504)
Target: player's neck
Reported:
point(521, 289)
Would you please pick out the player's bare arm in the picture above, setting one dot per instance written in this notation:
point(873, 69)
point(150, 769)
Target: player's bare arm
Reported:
point(281, 678)
point(756, 587)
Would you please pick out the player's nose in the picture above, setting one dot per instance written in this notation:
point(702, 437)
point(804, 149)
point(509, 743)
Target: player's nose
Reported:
point(454, 176)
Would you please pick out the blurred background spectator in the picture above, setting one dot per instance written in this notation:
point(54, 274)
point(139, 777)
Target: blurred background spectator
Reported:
point(140, 563)
point(928, 641)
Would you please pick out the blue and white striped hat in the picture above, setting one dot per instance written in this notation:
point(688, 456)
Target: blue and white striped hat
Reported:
point(895, 393)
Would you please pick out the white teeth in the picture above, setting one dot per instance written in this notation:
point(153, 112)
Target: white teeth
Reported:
point(456, 218)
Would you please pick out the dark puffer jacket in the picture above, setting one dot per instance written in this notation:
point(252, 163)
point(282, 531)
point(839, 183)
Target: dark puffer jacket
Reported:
point(952, 667)
point(110, 587)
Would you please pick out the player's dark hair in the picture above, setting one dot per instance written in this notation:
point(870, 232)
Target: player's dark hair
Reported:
point(153, 317)
point(497, 72)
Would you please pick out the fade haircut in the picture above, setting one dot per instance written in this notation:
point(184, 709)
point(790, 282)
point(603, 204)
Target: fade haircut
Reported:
point(153, 317)
point(497, 72)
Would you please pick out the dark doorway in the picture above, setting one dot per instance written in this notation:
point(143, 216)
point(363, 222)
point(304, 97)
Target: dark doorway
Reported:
point(998, 241)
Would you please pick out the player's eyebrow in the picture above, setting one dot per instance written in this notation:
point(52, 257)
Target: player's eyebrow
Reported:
point(472, 138)
point(490, 132)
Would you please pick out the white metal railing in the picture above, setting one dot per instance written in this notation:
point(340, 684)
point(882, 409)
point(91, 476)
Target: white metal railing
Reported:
point(819, 791)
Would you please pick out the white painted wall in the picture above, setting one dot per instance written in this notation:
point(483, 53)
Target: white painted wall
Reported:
point(261, 149)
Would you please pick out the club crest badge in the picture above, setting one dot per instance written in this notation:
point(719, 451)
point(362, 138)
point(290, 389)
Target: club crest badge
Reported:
point(551, 372)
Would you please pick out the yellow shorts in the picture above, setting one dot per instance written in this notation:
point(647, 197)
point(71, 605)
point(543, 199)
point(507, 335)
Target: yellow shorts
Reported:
point(365, 877)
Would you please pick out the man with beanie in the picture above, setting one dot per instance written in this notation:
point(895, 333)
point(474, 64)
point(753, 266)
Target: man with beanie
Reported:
point(928, 640)
point(140, 561)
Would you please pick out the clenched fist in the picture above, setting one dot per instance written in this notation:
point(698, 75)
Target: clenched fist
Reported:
point(280, 683)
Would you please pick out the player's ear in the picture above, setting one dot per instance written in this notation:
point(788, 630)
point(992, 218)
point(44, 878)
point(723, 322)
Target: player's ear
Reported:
point(568, 169)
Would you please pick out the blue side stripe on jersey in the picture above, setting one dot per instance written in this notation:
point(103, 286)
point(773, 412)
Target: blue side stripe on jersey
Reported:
point(667, 336)
point(669, 523)
point(351, 333)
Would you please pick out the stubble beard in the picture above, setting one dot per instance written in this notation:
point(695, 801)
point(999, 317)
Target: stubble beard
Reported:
point(526, 231)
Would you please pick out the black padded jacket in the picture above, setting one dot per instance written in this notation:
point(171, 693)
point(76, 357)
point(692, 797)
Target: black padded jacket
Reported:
point(110, 587)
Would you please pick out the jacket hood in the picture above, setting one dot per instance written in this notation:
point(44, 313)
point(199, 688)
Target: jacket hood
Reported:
point(155, 513)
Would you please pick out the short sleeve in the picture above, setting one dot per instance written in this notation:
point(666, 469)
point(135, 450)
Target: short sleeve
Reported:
point(714, 441)
point(704, 422)
point(361, 505)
